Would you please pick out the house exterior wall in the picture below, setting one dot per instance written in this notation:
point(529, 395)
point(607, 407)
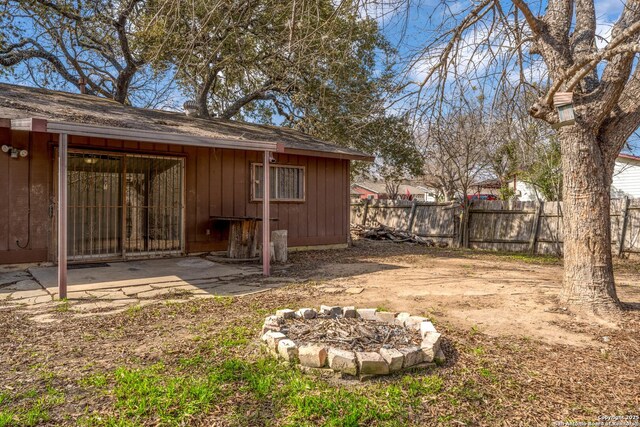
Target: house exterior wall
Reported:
point(626, 178)
point(525, 192)
point(363, 193)
point(217, 183)
point(25, 189)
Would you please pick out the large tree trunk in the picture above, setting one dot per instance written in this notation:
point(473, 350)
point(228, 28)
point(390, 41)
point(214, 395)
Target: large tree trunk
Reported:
point(588, 268)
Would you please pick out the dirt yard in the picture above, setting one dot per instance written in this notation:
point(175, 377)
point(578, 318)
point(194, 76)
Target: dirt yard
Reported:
point(514, 356)
point(500, 295)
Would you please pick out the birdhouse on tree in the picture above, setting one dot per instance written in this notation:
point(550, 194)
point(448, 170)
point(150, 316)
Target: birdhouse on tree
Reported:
point(563, 101)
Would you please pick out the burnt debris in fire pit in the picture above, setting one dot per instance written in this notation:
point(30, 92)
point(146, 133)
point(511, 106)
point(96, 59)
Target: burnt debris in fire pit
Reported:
point(364, 342)
point(351, 334)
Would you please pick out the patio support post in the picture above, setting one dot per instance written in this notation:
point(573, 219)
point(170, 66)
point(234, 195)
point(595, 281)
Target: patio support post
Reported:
point(266, 221)
point(62, 217)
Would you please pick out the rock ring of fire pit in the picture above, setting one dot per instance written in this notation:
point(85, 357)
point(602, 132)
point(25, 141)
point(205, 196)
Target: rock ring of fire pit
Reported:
point(364, 342)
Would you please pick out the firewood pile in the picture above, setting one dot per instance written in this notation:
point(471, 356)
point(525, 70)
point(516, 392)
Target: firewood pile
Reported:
point(351, 334)
point(382, 232)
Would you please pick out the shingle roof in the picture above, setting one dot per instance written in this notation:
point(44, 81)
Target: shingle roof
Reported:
point(26, 102)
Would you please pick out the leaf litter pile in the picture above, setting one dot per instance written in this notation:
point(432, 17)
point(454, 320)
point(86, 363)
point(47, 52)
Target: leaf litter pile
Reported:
point(350, 334)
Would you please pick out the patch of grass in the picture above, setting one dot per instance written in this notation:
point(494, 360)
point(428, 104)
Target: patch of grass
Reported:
point(468, 391)
point(133, 310)
point(47, 375)
point(35, 415)
point(533, 259)
point(187, 362)
point(30, 408)
point(7, 418)
point(445, 418)
point(30, 394)
point(486, 373)
point(223, 301)
point(149, 393)
point(4, 398)
point(234, 336)
point(159, 396)
point(63, 306)
point(477, 351)
point(96, 380)
point(382, 308)
point(305, 401)
point(415, 386)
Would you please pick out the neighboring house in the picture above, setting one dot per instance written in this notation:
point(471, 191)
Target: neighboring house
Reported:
point(524, 191)
point(146, 183)
point(490, 188)
point(486, 187)
point(378, 190)
point(626, 177)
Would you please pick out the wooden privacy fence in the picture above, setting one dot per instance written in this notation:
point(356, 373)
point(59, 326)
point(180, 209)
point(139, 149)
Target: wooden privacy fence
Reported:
point(437, 221)
point(530, 227)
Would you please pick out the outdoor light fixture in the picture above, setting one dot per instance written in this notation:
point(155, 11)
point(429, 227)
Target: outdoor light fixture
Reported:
point(14, 152)
point(563, 101)
point(91, 160)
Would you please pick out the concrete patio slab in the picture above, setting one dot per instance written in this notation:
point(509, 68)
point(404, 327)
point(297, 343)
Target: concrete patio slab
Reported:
point(167, 272)
point(117, 286)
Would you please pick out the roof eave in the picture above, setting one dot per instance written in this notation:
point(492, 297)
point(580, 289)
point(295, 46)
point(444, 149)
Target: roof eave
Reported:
point(629, 157)
point(330, 154)
point(79, 129)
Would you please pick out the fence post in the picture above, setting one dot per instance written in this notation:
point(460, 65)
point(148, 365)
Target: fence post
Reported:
point(464, 225)
point(623, 228)
point(461, 229)
point(412, 216)
point(366, 211)
point(535, 227)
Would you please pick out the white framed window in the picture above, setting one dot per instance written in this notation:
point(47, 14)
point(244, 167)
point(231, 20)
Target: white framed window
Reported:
point(287, 183)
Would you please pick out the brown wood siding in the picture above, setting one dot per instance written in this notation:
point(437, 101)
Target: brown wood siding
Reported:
point(24, 208)
point(217, 183)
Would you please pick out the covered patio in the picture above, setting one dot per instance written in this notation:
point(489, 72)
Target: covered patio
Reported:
point(66, 129)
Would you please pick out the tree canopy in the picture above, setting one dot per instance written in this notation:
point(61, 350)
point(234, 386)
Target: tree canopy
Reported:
point(319, 67)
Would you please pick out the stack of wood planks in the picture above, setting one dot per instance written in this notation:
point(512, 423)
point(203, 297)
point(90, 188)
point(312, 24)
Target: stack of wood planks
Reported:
point(382, 232)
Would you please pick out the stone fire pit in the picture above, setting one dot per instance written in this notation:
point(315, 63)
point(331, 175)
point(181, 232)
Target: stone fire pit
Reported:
point(355, 342)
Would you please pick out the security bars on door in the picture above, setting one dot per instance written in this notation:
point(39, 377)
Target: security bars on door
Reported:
point(124, 205)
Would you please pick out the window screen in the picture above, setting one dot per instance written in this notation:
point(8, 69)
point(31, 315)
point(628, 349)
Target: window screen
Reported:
point(287, 182)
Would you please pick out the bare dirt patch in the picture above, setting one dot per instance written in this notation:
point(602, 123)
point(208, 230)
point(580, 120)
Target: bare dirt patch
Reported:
point(499, 294)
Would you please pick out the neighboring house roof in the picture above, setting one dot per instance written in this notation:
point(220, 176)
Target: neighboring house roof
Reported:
point(381, 188)
point(488, 183)
point(19, 102)
point(628, 157)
